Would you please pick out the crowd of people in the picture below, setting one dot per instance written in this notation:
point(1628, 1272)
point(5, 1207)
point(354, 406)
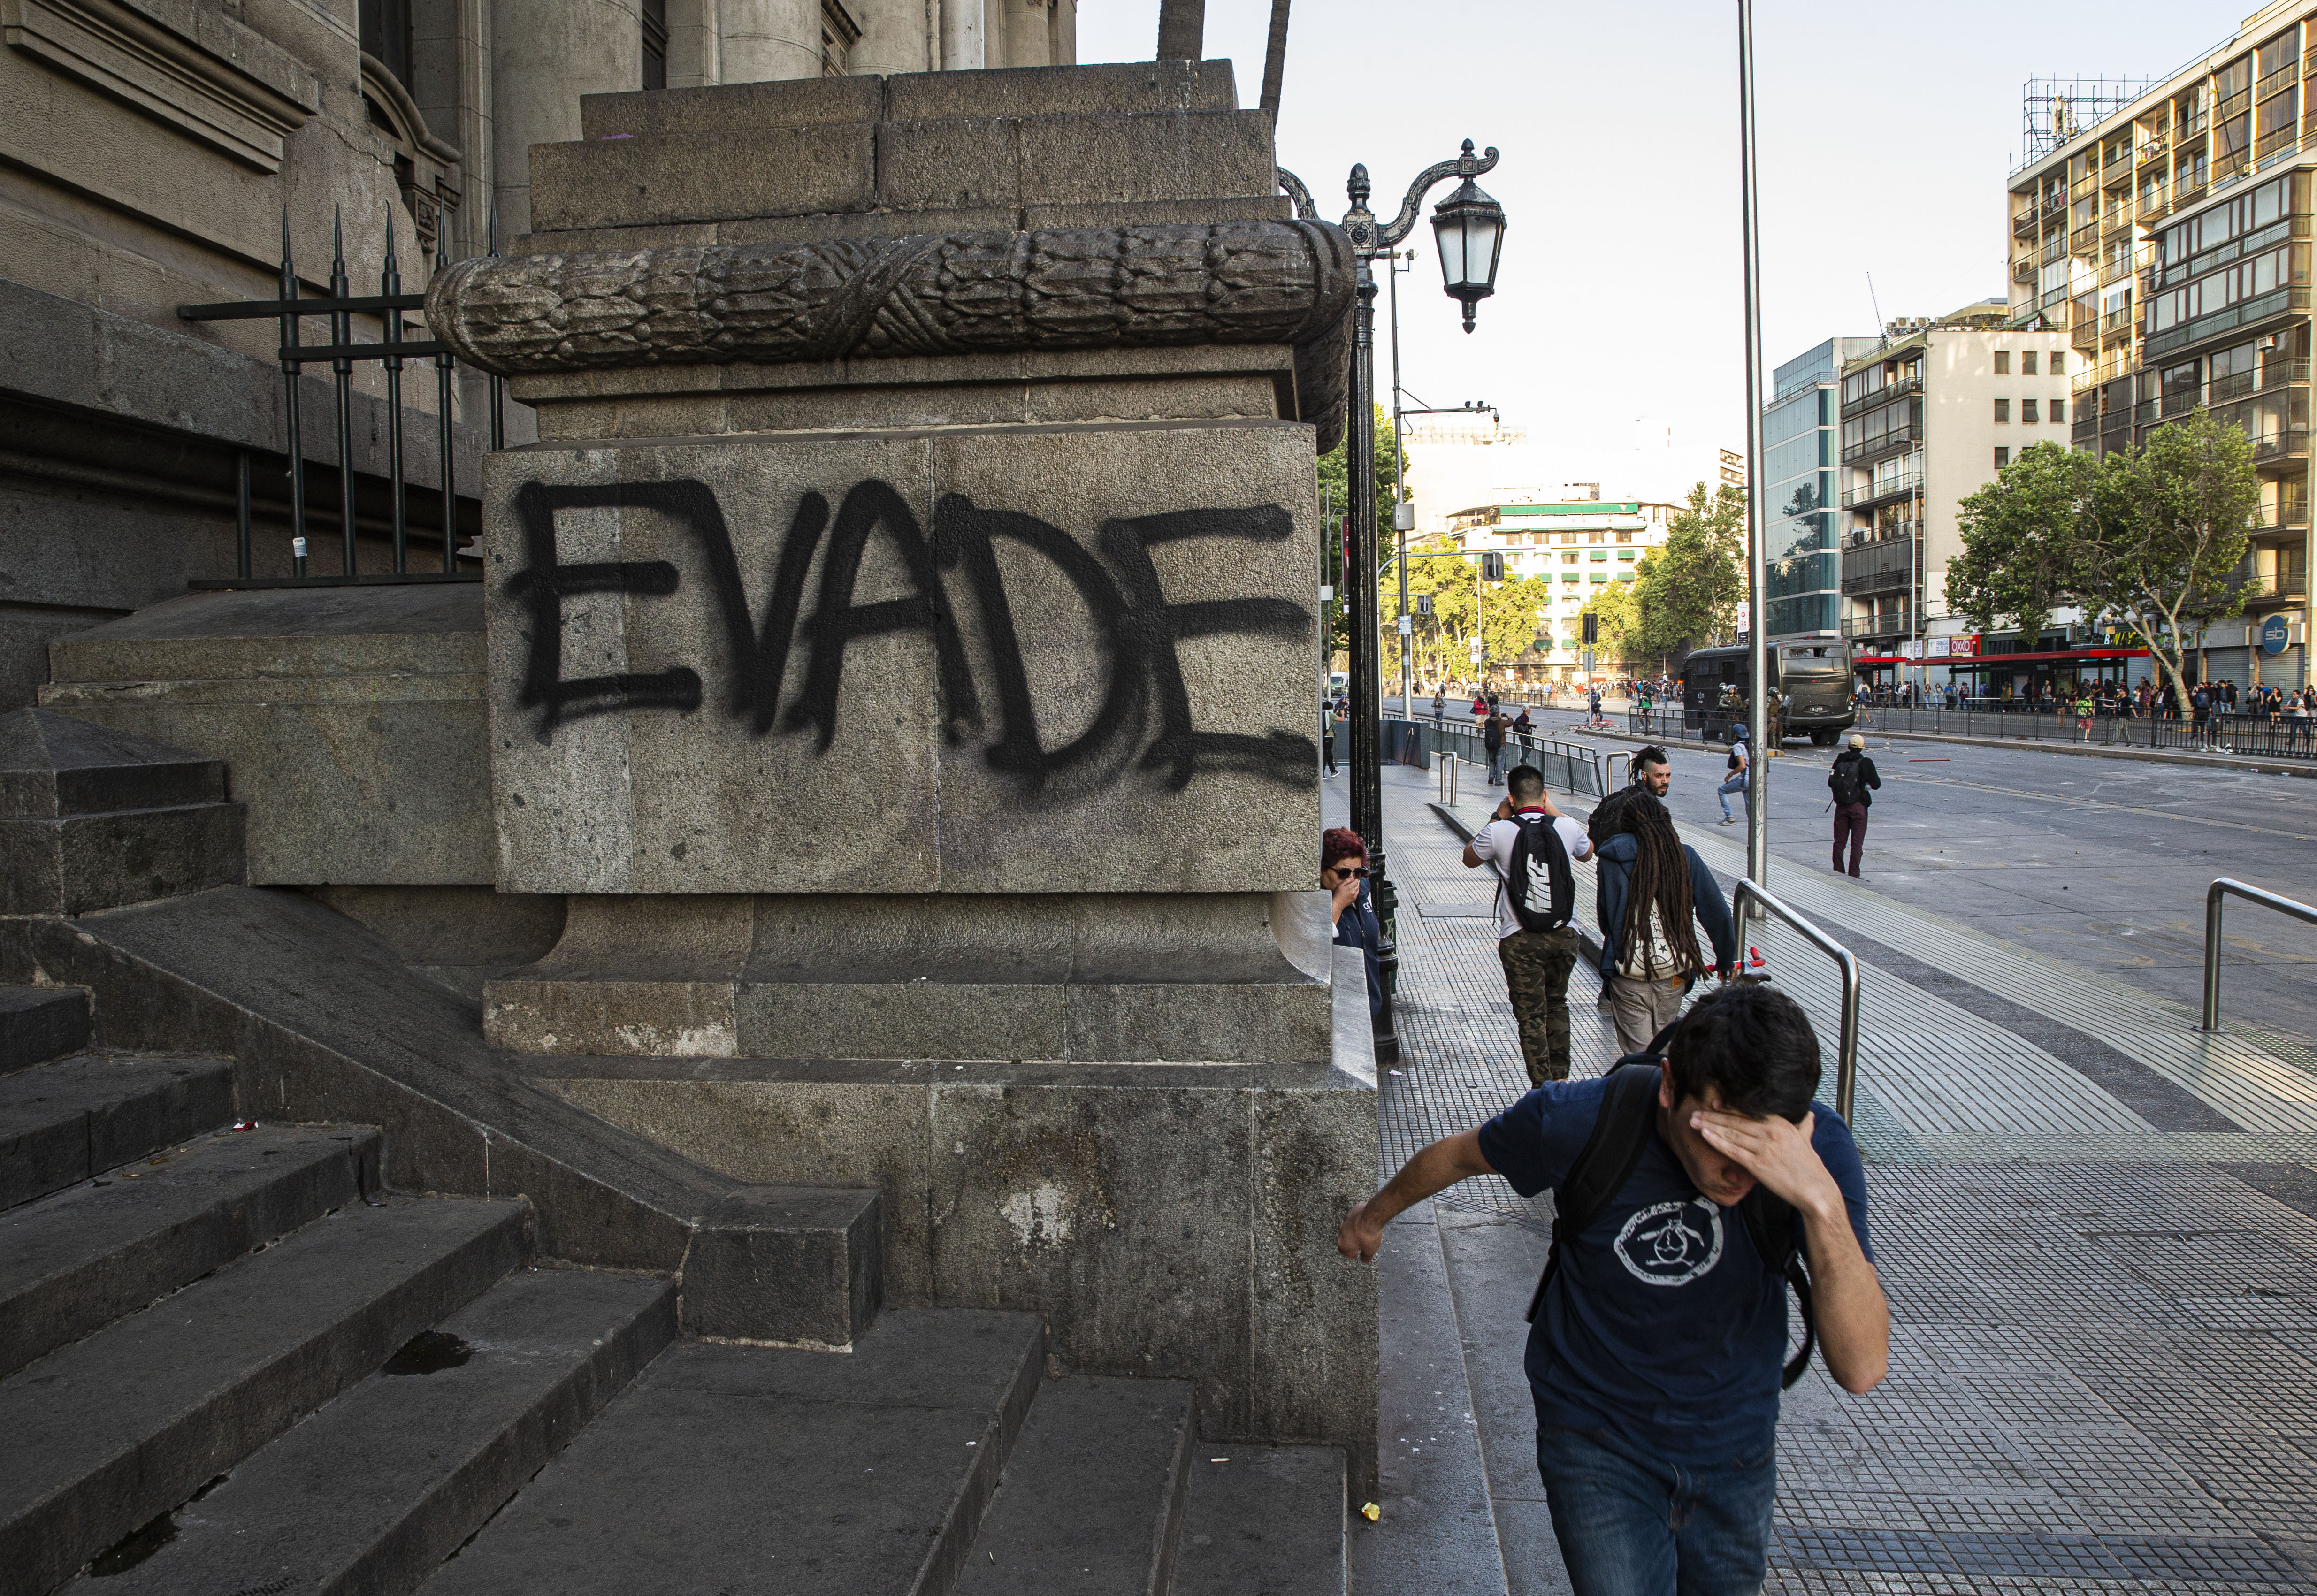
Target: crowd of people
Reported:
point(1693, 1183)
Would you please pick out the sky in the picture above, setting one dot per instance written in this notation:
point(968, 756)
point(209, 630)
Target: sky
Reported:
point(1886, 135)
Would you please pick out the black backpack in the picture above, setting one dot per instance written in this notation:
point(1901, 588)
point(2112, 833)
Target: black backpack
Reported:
point(1539, 866)
point(1848, 787)
point(1610, 1155)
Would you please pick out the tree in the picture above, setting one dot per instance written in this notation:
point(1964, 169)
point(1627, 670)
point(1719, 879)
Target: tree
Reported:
point(1688, 590)
point(1335, 494)
point(2169, 528)
point(2018, 559)
point(1503, 614)
point(1620, 617)
point(2148, 539)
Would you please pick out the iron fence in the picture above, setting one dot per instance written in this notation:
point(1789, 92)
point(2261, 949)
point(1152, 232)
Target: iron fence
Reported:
point(342, 351)
point(1573, 767)
point(2260, 735)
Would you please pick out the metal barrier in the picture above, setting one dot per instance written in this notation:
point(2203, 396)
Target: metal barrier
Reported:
point(1573, 767)
point(1845, 1067)
point(2219, 889)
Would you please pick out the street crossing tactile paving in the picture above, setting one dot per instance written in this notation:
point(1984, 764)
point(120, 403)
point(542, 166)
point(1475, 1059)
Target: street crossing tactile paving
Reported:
point(2104, 1361)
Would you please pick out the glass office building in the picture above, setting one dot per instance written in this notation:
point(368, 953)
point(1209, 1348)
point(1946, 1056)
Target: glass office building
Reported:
point(1801, 447)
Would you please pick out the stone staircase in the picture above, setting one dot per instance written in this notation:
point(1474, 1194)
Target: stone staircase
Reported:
point(232, 1361)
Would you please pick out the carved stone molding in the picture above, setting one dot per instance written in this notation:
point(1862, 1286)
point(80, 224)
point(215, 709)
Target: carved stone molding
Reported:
point(927, 294)
point(182, 62)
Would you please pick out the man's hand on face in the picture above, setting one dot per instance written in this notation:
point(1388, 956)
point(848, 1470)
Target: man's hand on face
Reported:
point(1777, 1152)
point(1358, 1236)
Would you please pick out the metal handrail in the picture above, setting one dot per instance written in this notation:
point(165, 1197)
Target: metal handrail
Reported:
point(1846, 1065)
point(2214, 894)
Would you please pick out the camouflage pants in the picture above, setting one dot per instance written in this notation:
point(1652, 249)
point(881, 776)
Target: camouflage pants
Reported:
point(1536, 978)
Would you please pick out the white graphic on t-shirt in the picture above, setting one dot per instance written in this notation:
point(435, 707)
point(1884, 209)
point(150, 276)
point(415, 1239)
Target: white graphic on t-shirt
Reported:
point(1671, 1243)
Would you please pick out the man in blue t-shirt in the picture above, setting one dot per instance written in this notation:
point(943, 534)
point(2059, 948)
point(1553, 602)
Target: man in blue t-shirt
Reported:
point(1655, 1354)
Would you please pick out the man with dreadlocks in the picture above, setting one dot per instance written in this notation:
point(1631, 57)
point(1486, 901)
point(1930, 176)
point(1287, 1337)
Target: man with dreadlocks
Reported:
point(1654, 891)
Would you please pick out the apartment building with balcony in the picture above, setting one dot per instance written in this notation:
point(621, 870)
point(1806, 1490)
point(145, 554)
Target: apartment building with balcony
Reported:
point(2170, 240)
point(1581, 546)
point(1928, 416)
point(1801, 442)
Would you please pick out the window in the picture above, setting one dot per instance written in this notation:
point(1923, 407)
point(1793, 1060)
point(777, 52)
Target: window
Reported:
point(1624, 536)
point(1568, 559)
point(2002, 459)
point(655, 25)
point(2003, 410)
point(1568, 575)
point(2027, 364)
point(1600, 576)
point(2058, 410)
point(1600, 554)
point(1568, 537)
point(384, 27)
point(2059, 368)
point(2027, 411)
point(2003, 362)
point(1624, 554)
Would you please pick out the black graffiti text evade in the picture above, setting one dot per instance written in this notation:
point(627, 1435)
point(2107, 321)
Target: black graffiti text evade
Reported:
point(1145, 719)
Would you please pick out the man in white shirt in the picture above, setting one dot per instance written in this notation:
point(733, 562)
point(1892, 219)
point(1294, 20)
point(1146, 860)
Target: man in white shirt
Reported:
point(1536, 962)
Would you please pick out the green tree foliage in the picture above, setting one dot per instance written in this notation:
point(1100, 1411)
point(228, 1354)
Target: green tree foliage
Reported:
point(1686, 593)
point(2149, 539)
point(1619, 613)
point(1335, 494)
point(1504, 614)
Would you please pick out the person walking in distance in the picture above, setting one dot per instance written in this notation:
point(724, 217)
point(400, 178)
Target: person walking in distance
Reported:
point(1689, 1189)
point(1655, 891)
point(1530, 844)
point(1854, 782)
point(1492, 738)
point(1742, 761)
point(1328, 736)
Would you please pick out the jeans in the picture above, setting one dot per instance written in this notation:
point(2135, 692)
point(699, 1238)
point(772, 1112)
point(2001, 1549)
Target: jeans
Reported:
point(1849, 826)
point(1737, 784)
point(1496, 766)
point(1632, 1524)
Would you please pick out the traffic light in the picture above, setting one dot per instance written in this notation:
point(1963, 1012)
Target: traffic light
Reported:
point(1592, 629)
point(1492, 567)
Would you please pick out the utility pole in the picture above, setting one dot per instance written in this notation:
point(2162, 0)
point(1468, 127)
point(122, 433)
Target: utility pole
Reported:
point(1757, 655)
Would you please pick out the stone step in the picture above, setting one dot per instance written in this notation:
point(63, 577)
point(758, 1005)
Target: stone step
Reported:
point(53, 765)
point(37, 1023)
point(92, 818)
point(798, 1266)
point(1263, 1521)
point(373, 1492)
point(75, 1118)
point(1092, 1498)
point(125, 1424)
point(750, 1468)
point(75, 1261)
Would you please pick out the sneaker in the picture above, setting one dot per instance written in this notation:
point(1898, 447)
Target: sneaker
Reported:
point(1727, 820)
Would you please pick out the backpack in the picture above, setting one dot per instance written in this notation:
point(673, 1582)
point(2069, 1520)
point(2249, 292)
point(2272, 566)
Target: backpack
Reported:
point(1848, 788)
point(1537, 881)
point(1607, 1161)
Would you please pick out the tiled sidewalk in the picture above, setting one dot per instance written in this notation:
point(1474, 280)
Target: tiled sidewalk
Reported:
point(2105, 1352)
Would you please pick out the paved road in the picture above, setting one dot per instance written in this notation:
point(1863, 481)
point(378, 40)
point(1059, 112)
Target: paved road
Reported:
point(2103, 861)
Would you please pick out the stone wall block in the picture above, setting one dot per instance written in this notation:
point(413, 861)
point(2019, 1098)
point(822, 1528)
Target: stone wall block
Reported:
point(733, 108)
point(1117, 160)
point(1214, 524)
point(658, 179)
point(1114, 88)
point(1120, 1214)
point(948, 165)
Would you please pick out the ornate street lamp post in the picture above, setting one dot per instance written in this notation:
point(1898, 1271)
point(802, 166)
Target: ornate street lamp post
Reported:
point(1469, 227)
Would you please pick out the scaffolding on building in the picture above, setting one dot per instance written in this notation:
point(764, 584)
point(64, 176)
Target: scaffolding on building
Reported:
point(2054, 110)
